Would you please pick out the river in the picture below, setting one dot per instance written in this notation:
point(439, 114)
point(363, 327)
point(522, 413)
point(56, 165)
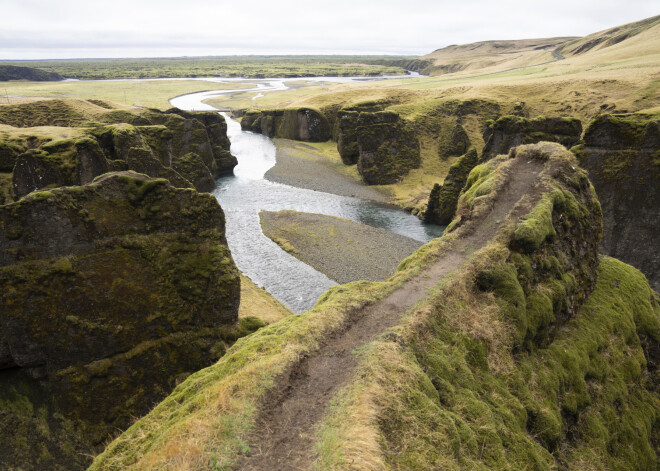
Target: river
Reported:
point(246, 192)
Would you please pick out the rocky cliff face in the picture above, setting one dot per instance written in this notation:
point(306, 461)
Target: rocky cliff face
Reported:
point(301, 124)
point(511, 131)
point(384, 146)
point(621, 154)
point(189, 149)
point(500, 136)
point(444, 198)
point(110, 293)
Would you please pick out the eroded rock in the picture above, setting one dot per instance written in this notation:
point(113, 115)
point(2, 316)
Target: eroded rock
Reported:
point(511, 131)
point(300, 124)
point(621, 154)
point(109, 294)
point(388, 147)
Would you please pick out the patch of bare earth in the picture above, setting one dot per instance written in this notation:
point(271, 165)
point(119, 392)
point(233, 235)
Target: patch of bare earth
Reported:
point(284, 435)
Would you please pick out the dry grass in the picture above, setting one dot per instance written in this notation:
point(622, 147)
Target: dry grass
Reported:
point(257, 302)
point(149, 93)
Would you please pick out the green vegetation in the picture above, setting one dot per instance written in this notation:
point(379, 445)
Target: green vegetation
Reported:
point(228, 66)
point(443, 200)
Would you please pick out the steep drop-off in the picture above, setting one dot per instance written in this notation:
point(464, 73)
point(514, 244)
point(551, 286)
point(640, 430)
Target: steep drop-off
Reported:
point(499, 137)
point(621, 153)
point(189, 149)
point(111, 293)
point(302, 124)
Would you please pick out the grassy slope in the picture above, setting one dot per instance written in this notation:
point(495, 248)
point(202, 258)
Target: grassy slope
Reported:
point(257, 302)
point(154, 94)
point(453, 398)
point(491, 56)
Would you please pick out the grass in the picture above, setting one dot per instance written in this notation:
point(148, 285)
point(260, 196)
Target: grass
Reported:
point(153, 94)
point(257, 302)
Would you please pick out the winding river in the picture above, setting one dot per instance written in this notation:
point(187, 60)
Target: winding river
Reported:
point(246, 192)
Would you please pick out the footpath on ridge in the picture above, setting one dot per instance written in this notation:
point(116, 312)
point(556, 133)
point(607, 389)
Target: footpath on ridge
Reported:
point(284, 435)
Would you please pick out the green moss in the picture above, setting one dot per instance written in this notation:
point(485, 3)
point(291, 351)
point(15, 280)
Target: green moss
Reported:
point(443, 200)
point(537, 227)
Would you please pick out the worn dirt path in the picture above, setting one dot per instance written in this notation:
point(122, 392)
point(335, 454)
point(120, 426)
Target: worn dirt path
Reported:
point(284, 434)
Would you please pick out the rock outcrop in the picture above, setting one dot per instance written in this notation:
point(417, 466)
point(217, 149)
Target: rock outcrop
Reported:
point(444, 198)
point(110, 293)
point(347, 146)
point(300, 124)
point(621, 154)
point(189, 149)
point(500, 137)
point(511, 131)
point(388, 147)
point(454, 142)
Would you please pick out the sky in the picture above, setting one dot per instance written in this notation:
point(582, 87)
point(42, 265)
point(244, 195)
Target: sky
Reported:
point(60, 29)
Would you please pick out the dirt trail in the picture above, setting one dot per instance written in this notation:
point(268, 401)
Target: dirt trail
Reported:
point(285, 429)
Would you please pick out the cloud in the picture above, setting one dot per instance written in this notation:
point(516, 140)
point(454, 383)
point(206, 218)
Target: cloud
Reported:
point(118, 28)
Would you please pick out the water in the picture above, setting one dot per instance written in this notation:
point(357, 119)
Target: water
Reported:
point(245, 193)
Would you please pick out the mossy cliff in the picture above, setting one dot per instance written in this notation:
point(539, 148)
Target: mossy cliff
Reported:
point(444, 198)
point(499, 136)
point(621, 153)
point(111, 293)
point(301, 124)
point(189, 149)
point(388, 147)
point(510, 131)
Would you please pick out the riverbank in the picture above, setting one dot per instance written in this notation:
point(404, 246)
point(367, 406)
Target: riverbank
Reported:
point(343, 250)
point(317, 166)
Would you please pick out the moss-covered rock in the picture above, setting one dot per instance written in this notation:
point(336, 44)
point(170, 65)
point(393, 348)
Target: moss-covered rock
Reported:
point(444, 198)
point(388, 147)
point(347, 145)
point(300, 124)
point(553, 251)
point(453, 142)
point(110, 294)
point(511, 131)
point(161, 140)
point(192, 168)
point(622, 156)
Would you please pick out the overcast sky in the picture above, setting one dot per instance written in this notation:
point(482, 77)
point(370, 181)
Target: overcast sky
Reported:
point(36, 29)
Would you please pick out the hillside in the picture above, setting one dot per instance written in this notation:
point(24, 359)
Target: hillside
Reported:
point(12, 72)
point(607, 38)
point(489, 55)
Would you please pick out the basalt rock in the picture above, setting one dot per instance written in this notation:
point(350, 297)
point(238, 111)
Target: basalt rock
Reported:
point(151, 142)
point(110, 293)
point(347, 146)
point(443, 199)
point(621, 153)
point(511, 131)
point(454, 143)
point(388, 147)
point(301, 124)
